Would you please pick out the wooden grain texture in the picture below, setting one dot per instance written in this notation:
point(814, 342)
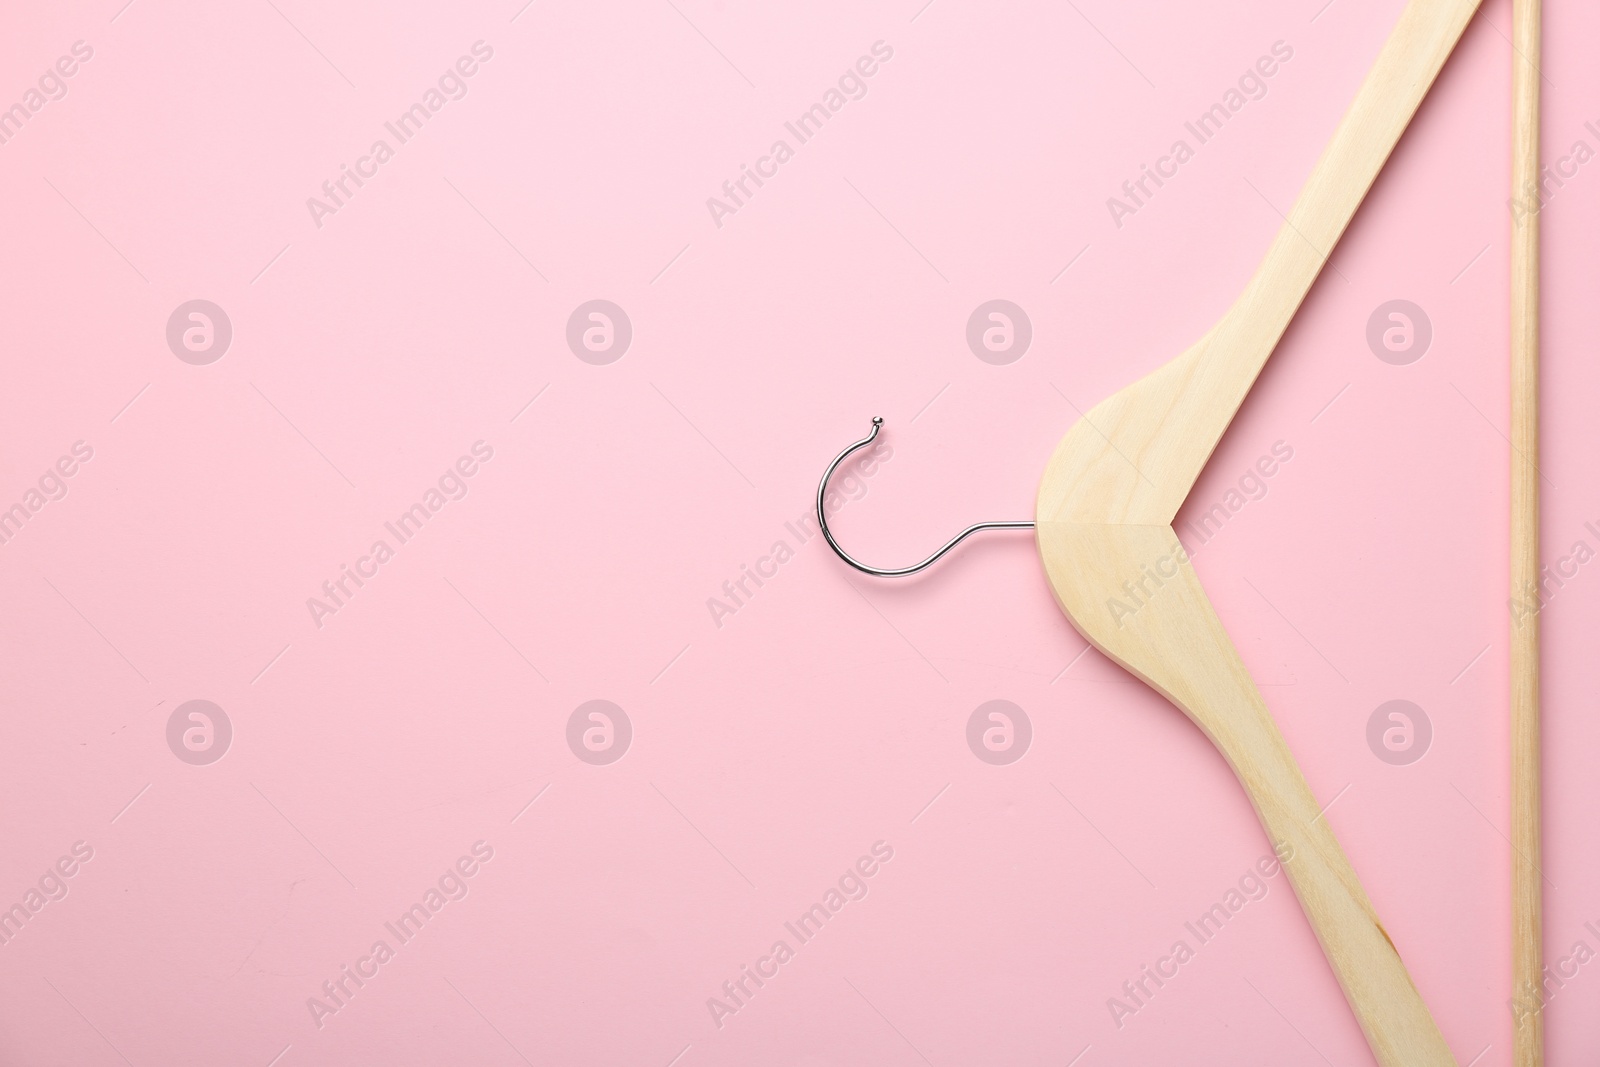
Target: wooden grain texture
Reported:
point(1118, 477)
point(1527, 919)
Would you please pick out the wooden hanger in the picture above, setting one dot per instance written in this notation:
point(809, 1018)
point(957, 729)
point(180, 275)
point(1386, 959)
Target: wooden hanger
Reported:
point(1104, 516)
point(1118, 477)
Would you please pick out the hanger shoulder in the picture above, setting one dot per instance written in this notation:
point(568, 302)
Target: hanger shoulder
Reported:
point(1134, 457)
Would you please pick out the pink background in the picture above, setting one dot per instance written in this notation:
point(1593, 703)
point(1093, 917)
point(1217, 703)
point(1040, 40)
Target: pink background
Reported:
point(830, 710)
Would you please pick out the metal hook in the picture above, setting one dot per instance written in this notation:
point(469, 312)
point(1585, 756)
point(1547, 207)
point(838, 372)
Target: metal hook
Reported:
point(822, 519)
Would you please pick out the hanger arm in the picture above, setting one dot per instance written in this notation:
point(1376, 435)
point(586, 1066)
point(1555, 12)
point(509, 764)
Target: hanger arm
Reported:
point(1134, 458)
point(1174, 643)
